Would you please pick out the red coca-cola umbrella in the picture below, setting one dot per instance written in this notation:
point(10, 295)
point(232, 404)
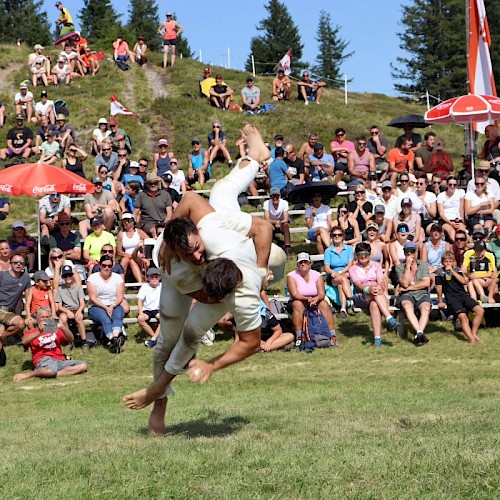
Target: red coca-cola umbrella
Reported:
point(40, 179)
point(465, 109)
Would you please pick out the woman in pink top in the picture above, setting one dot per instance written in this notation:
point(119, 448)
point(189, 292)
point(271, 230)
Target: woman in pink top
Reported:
point(170, 30)
point(340, 148)
point(367, 277)
point(307, 289)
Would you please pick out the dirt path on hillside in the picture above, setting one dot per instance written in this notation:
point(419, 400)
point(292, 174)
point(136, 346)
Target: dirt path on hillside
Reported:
point(5, 72)
point(157, 82)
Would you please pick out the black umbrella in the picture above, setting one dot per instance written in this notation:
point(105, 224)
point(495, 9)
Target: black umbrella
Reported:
point(413, 121)
point(305, 192)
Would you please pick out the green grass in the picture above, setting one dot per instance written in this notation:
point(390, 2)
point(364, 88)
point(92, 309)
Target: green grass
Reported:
point(398, 422)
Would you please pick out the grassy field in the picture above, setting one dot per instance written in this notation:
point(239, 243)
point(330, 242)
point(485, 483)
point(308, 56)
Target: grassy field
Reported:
point(352, 422)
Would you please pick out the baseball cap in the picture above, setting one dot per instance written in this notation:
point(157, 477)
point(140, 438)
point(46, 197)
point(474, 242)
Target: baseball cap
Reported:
point(379, 209)
point(38, 47)
point(249, 78)
point(479, 230)
point(169, 14)
point(195, 139)
point(43, 93)
point(403, 228)
point(133, 164)
point(436, 227)
point(153, 270)
point(406, 201)
point(18, 223)
point(60, 59)
point(60, 116)
point(41, 275)
point(101, 121)
point(127, 215)
point(386, 184)
point(412, 178)
point(479, 245)
point(303, 256)
point(163, 142)
point(279, 152)
point(168, 177)
point(95, 221)
point(275, 190)
point(113, 122)
point(23, 86)
point(373, 225)
point(58, 3)
point(66, 271)
point(372, 176)
point(409, 245)
point(278, 137)
point(318, 146)
point(97, 180)
point(20, 117)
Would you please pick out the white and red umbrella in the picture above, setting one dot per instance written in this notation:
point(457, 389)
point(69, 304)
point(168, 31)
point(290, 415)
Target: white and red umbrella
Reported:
point(39, 179)
point(465, 109)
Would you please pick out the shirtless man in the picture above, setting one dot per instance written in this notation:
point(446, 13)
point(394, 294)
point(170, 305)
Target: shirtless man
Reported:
point(282, 87)
point(183, 261)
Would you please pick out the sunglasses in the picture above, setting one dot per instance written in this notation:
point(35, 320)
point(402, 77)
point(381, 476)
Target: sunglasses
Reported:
point(373, 133)
point(304, 262)
point(404, 180)
point(106, 266)
point(359, 192)
point(480, 183)
point(55, 257)
point(216, 126)
point(110, 251)
point(143, 164)
point(122, 155)
point(420, 183)
point(436, 182)
point(64, 223)
point(342, 212)
point(340, 135)
point(19, 229)
point(410, 250)
point(113, 126)
point(387, 189)
point(402, 231)
point(361, 144)
point(460, 239)
point(173, 163)
point(18, 262)
point(106, 149)
point(363, 254)
point(478, 238)
point(194, 143)
point(337, 235)
point(453, 184)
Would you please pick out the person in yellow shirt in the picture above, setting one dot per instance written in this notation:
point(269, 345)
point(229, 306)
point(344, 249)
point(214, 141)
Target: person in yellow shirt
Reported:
point(96, 240)
point(65, 21)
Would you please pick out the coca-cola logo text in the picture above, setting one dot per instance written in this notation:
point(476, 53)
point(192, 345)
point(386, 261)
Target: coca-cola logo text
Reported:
point(6, 188)
point(48, 188)
point(79, 188)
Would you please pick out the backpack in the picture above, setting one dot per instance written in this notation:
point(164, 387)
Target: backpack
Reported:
point(61, 106)
point(122, 65)
point(316, 333)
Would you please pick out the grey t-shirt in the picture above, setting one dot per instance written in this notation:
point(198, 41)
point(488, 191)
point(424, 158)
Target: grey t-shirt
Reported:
point(12, 288)
point(105, 197)
point(70, 297)
point(422, 272)
point(250, 94)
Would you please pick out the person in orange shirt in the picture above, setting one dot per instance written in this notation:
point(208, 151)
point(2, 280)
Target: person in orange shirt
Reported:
point(39, 295)
point(121, 50)
point(170, 30)
point(400, 159)
point(90, 62)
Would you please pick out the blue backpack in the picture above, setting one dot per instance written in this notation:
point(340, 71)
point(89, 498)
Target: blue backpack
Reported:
point(316, 333)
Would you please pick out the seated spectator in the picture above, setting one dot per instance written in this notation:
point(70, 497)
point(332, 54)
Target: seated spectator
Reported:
point(310, 90)
point(73, 59)
point(492, 185)
point(127, 202)
point(360, 161)
point(99, 134)
point(38, 55)
point(58, 260)
point(361, 209)
point(123, 167)
point(49, 149)
point(278, 173)
point(306, 150)
point(65, 133)
point(396, 247)
point(480, 267)
point(4, 208)
point(101, 204)
point(96, 240)
point(438, 185)
point(207, 74)
point(416, 139)
point(50, 207)
point(127, 239)
point(90, 62)
point(384, 225)
point(451, 280)
point(368, 279)
point(110, 251)
point(21, 243)
point(440, 161)
point(131, 176)
point(19, 141)
point(70, 304)
point(492, 246)
point(348, 224)
point(318, 221)
point(73, 160)
point(39, 74)
point(261, 180)
point(459, 246)
point(401, 160)
point(106, 157)
point(282, 87)
point(379, 248)
point(276, 212)
point(411, 219)
point(272, 337)
point(450, 204)
point(491, 147)
point(295, 165)
point(161, 159)
point(427, 200)
point(251, 97)
point(424, 152)
point(143, 168)
point(41, 294)
point(148, 305)
point(65, 239)
point(480, 204)
point(339, 258)
point(121, 51)
point(220, 94)
point(41, 132)
point(465, 175)
point(178, 181)
point(140, 51)
point(340, 148)
point(152, 206)
point(47, 357)
point(61, 73)
point(24, 102)
point(119, 138)
point(174, 195)
point(44, 107)
point(377, 145)
point(433, 250)
point(106, 292)
point(198, 164)
point(307, 290)
point(413, 287)
point(217, 144)
point(321, 164)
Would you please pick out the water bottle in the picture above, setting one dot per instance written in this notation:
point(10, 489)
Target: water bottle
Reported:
point(287, 294)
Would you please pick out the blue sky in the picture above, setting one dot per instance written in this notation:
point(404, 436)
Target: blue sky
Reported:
point(371, 28)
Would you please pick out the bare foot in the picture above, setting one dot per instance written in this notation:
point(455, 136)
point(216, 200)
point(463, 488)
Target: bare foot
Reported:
point(22, 376)
point(140, 399)
point(156, 424)
point(257, 150)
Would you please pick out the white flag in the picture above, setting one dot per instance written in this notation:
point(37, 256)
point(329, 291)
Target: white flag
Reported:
point(286, 63)
point(117, 108)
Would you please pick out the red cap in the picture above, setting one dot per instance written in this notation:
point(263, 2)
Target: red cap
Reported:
point(113, 122)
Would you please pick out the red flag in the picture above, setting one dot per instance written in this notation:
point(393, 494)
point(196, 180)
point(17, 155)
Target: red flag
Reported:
point(286, 63)
point(481, 80)
point(117, 108)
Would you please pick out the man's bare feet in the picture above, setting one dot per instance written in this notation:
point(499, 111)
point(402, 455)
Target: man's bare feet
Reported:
point(22, 376)
point(140, 399)
point(257, 150)
point(156, 424)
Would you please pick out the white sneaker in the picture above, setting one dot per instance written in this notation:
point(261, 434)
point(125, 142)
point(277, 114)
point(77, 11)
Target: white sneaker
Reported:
point(210, 334)
point(206, 341)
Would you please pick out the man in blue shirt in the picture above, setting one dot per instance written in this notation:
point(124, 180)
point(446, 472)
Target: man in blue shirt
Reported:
point(278, 172)
point(321, 164)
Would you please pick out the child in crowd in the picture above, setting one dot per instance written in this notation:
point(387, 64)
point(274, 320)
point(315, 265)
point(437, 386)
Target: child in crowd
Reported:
point(451, 280)
point(39, 295)
point(133, 174)
point(70, 302)
point(127, 203)
point(148, 304)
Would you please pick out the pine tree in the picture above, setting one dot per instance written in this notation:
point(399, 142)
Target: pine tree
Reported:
point(26, 20)
point(331, 50)
point(435, 39)
point(279, 35)
point(182, 47)
point(99, 22)
point(144, 20)
point(493, 14)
